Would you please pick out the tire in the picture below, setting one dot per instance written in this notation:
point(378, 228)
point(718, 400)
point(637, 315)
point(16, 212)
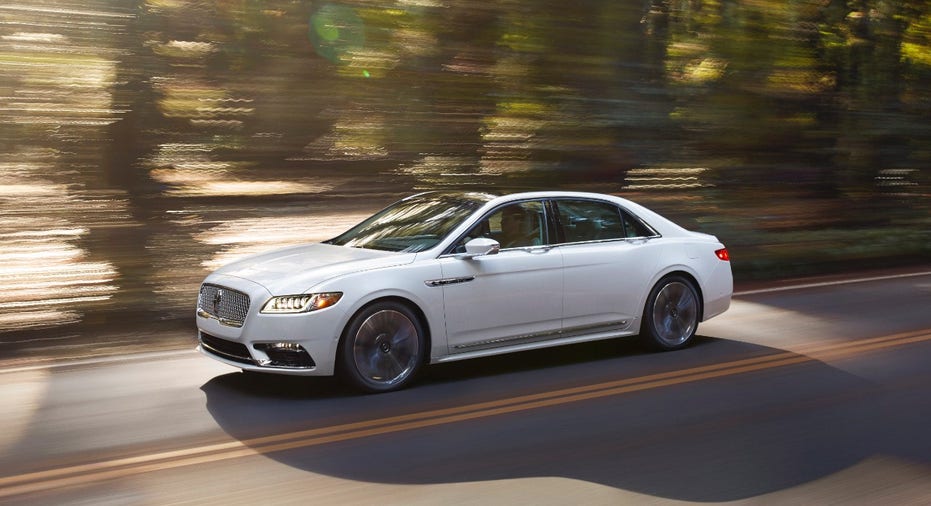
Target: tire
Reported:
point(382, 348)
point(670, 316)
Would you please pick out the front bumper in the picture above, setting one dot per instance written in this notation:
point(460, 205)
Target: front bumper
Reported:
point(287, 357)
point(294, 344)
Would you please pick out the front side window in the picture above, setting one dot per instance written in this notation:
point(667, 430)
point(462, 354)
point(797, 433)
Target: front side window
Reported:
point(414, 224)
point(518, 225)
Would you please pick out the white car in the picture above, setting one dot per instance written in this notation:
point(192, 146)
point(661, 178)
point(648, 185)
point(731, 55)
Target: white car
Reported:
point(438, 277)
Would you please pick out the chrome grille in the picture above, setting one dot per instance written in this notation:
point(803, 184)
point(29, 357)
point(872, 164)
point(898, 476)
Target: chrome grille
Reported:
point(228, 306)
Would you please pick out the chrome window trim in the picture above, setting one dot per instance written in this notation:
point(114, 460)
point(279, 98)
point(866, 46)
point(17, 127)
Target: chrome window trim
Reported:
point(601, 241)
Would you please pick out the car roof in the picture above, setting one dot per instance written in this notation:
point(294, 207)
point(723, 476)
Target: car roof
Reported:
point(525, 195)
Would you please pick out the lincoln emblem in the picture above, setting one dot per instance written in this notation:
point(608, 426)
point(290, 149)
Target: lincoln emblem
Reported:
point(216, 300)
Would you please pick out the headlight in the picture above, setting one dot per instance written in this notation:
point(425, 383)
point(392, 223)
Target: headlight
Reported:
point(301, 303)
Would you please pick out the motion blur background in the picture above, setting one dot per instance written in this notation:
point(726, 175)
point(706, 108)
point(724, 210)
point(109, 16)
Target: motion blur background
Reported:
point(146, 142)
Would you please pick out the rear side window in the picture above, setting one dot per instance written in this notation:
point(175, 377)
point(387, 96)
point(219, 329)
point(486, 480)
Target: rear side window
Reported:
point(588, 220)
point(636, 228)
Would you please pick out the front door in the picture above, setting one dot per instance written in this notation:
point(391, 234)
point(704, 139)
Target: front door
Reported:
point(503, 299)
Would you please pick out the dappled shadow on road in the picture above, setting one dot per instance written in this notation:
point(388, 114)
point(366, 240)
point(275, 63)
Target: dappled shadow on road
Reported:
point(733, 436)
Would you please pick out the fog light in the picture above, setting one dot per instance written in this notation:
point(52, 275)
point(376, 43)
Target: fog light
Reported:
point(286, 354)
point(286, 346)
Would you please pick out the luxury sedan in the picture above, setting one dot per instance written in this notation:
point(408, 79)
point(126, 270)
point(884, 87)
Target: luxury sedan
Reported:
point(437, 277)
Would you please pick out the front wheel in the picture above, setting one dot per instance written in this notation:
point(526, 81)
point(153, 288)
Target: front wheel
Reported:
point(670, 317)
point(382, 348)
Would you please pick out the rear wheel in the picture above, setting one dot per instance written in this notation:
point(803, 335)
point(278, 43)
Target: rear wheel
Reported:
point(382, 348)
point(670, 317)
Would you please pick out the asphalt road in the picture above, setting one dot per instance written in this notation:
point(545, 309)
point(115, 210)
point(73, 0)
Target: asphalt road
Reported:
point(798, 394)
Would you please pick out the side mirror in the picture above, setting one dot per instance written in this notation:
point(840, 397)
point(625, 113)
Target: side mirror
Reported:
point(481, 246)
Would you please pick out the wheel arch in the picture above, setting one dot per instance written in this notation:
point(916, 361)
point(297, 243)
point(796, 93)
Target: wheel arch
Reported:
point(406, 302)
point(679, 271)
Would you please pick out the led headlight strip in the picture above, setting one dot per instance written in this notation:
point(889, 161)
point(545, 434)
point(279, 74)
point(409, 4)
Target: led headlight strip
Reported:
point(284, 304)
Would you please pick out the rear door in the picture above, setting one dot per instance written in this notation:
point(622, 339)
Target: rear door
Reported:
point(608, 264)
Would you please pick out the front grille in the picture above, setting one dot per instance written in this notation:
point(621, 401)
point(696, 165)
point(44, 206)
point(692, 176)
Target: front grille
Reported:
point(237, 352)
point(228, 306)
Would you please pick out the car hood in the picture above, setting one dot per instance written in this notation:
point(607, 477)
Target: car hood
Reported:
point(298, 268)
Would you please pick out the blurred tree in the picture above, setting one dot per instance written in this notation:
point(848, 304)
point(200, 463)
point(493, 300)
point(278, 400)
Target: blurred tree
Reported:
point(773, 123)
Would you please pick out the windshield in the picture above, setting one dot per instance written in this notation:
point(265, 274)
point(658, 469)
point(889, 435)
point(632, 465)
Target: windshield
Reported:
point(414, 224)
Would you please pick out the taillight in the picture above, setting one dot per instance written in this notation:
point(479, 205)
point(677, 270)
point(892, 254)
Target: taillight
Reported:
point(723, 255)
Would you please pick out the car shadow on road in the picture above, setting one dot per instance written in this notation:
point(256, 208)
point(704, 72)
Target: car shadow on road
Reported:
point(723, 438)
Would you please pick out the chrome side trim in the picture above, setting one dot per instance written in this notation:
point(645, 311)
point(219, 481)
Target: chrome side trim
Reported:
point(448, 281)
point(545, 336)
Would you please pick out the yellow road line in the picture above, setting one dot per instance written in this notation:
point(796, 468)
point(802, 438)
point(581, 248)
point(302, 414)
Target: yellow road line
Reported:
point(117, 468)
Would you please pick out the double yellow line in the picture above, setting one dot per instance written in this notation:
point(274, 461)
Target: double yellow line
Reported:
point(118, 468)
